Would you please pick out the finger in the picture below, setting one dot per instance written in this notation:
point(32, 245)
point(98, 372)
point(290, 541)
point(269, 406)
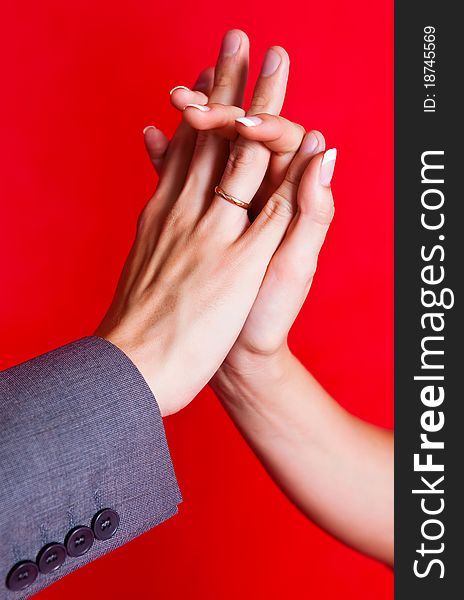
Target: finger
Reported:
point(307, 183)
point(281, 136)
point(296, 258)
point(181, 96)
point(269, 92)
point(211, 151)
point(156, 144)
point(231, 72)
point(303, 242)
point(294, 264)
point(278, 167)
point(276, 133)
point(218, 118)
point(177, 158)
point(205, 81)
point(249, 159)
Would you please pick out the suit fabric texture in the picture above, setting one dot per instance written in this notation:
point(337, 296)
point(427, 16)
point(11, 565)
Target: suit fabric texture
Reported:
point(80, 431)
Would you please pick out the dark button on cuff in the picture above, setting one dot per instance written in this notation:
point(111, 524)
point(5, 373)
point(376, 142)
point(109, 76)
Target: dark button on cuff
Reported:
point(22, 575)
point(79, 541)
point(105, 524)
point(51, 557)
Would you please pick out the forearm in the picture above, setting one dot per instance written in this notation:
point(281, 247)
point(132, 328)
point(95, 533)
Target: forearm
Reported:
point(336, 468)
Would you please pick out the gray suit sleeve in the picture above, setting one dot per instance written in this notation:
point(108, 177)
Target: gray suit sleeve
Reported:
point(80, 431)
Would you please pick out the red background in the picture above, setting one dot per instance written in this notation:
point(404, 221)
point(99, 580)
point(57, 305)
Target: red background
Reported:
point(80, 79)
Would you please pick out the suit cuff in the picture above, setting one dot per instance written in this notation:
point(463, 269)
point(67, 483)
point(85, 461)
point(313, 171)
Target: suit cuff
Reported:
point(83, 432)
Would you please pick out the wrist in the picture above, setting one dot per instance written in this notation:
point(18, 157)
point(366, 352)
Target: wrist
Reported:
point(139, 353)
point(163, 365)
point(244, 376)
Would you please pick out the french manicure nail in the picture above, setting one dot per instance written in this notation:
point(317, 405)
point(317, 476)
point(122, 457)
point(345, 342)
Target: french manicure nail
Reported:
point(271, 62)
point(249, 121)
point(230, 43)
point(145, 129)
point(198, 106)
point(328, 166)
point(179, 87)
point(310, 143)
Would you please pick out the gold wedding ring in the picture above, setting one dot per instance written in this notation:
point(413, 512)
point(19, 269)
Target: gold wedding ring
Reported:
point(220, 192)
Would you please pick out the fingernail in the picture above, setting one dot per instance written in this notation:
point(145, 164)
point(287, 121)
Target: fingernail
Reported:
point(198, 106)
point(310, 143)
point(179, 87)
point(147, 128)
point(230, 43)
point(327, 167)
point(271, 62)
point(249, 121)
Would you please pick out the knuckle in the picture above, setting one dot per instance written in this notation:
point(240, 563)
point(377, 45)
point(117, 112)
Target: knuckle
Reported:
point(278, 206)
point(298, 272)
point(296, 133)
point(148, 214)
point(204, 140)
point(242, 156)
point(322, 211)
point(300, 129)
point(141, 223)
point(292, 177)
point(177, 220)
point(222, 80)
point(204, 231)
point(259, 103)
point(310, 270)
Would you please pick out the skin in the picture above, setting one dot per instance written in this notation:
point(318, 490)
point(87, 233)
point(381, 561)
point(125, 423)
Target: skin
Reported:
point(197, 263)
point(336, 468)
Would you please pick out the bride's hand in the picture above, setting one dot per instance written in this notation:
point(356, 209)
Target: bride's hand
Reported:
point(291, 270)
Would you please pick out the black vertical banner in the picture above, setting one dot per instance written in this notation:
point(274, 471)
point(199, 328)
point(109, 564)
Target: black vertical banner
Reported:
point(429, 331)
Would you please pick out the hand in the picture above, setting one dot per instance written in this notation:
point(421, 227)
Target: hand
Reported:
point(310, 446)
point(197, 264)
point(291, 270)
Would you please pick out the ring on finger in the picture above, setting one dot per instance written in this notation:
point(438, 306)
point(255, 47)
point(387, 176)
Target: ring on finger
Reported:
point(232, 199)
